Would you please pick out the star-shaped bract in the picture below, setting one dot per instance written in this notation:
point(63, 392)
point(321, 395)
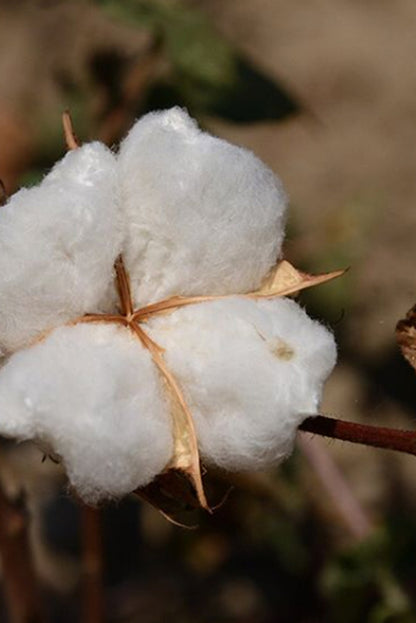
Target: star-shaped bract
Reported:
point(118, 389)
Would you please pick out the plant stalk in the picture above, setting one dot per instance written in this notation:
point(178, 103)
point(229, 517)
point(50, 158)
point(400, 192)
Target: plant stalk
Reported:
point(92, 565)
point(375, 436)
point(20, 584)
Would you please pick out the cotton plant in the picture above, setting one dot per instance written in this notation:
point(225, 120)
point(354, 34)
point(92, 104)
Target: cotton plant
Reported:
point(144, 324)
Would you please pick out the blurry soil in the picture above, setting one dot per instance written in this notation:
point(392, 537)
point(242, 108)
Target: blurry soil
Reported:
point(348, 164)
point(54, 55)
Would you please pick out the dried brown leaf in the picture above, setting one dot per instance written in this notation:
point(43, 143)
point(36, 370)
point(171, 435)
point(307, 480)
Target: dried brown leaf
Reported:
point(172, 494)
point(406, 336)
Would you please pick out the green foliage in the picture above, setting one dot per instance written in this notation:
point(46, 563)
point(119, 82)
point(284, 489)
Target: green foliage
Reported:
point(208, 75)
point(359, 584)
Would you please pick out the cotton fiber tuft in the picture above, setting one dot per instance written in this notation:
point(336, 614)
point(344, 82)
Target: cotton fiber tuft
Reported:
point(204, 216)
point(251, 371)
point(92, 394)
point(58, 243)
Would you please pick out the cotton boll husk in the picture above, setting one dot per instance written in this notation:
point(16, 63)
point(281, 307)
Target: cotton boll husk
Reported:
point(204, 216)
point(92, 393)
point(250, 371)
point(58, 243)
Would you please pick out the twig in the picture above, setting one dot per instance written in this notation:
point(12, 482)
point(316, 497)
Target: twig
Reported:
point(71, 139)
point(92, 548)
point(376, 436)
point(19, 578)
point(338, 489)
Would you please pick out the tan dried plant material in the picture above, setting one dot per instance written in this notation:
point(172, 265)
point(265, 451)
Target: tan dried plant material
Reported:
point(172, 495)
point(406, 336)
point(71, 139)
point(185, 456)
point(284, 279)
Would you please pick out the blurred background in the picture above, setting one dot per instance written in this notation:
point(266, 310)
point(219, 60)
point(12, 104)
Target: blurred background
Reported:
point(324, 91)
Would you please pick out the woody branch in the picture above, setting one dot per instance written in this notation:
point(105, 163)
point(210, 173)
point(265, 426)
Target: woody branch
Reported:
point(375, 436)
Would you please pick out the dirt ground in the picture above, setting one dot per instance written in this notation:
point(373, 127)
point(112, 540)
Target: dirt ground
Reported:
point(348, 163)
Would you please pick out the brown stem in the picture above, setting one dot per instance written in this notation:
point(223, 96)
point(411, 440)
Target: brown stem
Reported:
point(19, 578)
point(92, 548)
point(71, 139)
point(376, 436)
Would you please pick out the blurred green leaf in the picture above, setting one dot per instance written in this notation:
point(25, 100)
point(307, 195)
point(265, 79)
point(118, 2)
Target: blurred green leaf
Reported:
point(359, 585)
point(208, 74)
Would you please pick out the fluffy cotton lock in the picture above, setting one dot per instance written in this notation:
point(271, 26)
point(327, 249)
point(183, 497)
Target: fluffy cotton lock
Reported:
point(91, 393)
point(204, 216)
point(58, 243)
point(251, 371)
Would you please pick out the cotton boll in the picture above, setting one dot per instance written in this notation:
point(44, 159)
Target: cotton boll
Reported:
point(204, 216)
point(58, 243)
point(250, 372)
point(92, 393)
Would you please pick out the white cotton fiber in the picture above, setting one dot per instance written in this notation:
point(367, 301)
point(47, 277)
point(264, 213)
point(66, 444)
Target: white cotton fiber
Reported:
point(250, 371)
point(204, 216)
point(92, 393)
point(58, 243)
point(191, 215)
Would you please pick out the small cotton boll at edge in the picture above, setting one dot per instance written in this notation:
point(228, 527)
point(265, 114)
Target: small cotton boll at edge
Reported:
point(92, 393)
point(204, 216)
point(58, 243)
point(250, 371)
